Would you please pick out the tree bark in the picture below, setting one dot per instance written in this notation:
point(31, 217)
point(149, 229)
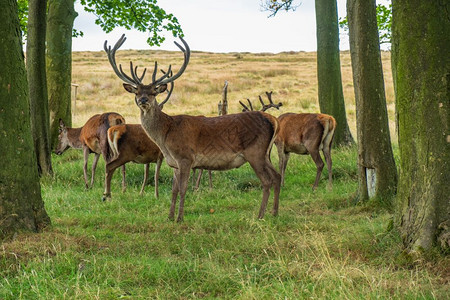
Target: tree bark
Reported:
point(21, 205)
point(37, 84)
point(420, 52)
point(376, 166)
point(331, 96)
point(60, 18)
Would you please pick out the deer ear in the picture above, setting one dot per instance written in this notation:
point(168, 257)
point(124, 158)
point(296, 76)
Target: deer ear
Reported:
point(162, 88)
point(129, 88)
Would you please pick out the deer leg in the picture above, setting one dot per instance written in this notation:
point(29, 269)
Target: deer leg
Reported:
point(85, 164)
point(199, 178)
point(146, 167)
point(210, 179)
point(157, 169)
point(183, 183)
point(327, 154)
point(319, 164)
point(94, 166)
point(276, 184)
point(124, 183)
point(194, 171)
point(175, 189)
point(109, 171)
point(261, 170)
point(284, 158)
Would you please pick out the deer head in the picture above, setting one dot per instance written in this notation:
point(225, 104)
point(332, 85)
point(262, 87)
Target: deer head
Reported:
point(145, 94)
point(63, 139)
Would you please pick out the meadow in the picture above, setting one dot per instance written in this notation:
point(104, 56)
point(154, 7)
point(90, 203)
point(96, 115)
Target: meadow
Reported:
point(322, 245)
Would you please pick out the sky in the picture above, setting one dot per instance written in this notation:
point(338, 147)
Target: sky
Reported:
point(218, 26)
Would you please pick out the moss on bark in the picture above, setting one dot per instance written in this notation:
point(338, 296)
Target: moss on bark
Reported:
point(374, 143)
point(60, 18)
point(421, 47)
point(21, 205)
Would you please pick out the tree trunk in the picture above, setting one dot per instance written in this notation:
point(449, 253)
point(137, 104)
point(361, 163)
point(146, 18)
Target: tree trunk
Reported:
point(420, 52)
point(376, 166)
point(37, 84)
point(331, 96)
point(61, 15)
point(21, 205)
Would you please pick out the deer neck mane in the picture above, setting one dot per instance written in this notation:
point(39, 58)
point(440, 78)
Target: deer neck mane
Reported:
point(74, 137)
point(156, 123)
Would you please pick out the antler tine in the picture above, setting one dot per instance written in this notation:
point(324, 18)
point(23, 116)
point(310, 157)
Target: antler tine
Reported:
point(250, 104)
point(269, 96)
point(187, 54)
point(134, 73)
point(169, 93)
point(245, 106)
point(125, 76)
point(166, 75)
point(112, 59)
point(261, 100)
point(143, 74)
point(155, 70)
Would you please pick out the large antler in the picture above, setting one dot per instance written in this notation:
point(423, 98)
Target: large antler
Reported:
point(264, 106)
point(135, 80)
point(167, 77)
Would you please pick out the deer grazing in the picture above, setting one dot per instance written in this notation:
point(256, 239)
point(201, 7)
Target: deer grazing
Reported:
point(302, 134)
point(91, 138)
point(194, 142)
point(129, 142)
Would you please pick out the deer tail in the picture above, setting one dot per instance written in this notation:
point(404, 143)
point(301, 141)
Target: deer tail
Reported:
point(276, 129)
point(113, 138)
point(329, 126)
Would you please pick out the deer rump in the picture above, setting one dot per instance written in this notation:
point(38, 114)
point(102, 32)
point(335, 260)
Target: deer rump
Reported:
point(221, 143)
point(314, 131)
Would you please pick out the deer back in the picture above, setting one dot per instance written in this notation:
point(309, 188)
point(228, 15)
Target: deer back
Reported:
point(217, 142)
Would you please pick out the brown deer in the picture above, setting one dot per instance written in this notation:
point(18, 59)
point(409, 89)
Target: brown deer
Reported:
point(306, 134)
point(129, 142)
point(194, 142)
point(302, 134)
point(91, 138)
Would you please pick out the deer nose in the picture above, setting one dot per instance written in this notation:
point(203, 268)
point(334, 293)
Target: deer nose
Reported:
point(143, 100)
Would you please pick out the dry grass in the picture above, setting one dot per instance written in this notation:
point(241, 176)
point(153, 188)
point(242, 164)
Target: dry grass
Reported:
point(290, 75)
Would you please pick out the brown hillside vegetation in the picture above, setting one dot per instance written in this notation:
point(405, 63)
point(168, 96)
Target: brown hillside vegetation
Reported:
point(291, 76)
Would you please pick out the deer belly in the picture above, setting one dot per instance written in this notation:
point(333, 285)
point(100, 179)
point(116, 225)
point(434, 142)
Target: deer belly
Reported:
point(223, 161)
point(299, 149)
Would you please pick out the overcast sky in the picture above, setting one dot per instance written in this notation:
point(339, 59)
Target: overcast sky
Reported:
point(219, 26)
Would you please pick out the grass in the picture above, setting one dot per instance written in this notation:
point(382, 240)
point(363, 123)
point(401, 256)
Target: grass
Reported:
point(320, 246)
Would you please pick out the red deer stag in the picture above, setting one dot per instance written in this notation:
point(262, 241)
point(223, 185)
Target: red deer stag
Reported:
point(91, 138)
point(194, 142)
point(129, 142)
point(302, 134)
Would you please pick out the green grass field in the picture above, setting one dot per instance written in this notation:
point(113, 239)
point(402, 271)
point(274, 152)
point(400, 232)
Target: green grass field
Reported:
point(320, 246)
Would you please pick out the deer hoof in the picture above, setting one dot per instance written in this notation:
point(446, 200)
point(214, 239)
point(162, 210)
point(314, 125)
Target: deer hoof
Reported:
point(106, 197)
